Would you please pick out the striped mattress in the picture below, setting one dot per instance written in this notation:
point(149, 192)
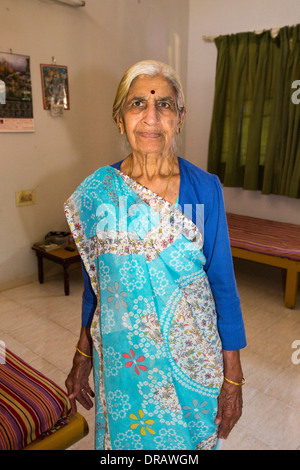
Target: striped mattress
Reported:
point(31, 405)
point(264, 236)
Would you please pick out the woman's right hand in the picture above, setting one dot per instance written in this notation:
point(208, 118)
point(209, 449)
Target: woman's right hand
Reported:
point(77, 382)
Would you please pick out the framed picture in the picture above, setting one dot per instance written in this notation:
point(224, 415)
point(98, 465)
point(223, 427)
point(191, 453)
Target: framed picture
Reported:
point(16, 111)
point(55, 86)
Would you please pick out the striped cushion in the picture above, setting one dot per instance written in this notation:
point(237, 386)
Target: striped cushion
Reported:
point(264, 236)
point(30, 404)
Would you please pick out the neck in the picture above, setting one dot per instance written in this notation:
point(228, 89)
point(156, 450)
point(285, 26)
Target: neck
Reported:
point(150, 165)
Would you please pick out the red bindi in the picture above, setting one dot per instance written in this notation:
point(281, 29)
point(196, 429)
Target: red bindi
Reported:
point(152, 92)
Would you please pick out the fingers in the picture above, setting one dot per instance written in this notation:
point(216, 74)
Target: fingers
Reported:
point(73, 403)
point(83, 396)
point(225, 427)
point(79, 390)
point(226, 422)
point(71, 394)
point(229, 409)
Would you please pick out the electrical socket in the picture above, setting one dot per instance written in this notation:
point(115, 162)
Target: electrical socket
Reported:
point(25, 197)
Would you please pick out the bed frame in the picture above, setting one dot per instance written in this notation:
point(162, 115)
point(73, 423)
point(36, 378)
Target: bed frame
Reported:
point(268, 242)
point(35, 413)
point(64, 437)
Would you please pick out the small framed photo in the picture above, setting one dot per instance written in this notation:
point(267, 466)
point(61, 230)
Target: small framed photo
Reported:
point(55, 86)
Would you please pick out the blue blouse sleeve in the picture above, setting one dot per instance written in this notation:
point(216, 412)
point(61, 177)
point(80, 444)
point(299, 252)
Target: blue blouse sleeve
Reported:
point(199, 187)
point(220, 271)
point(89, 300)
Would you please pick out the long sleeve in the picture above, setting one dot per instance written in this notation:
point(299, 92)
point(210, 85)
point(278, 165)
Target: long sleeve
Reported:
point(220, 272)
point(200, 187)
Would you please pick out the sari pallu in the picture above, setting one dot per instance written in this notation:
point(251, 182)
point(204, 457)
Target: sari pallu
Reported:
point(158, 364)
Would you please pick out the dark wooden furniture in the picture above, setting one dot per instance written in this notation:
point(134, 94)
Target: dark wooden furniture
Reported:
point(61, 256)
point(268, 242)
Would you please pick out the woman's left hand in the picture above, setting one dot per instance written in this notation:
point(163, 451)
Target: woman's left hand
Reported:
point(230, 404)
point(230, 401)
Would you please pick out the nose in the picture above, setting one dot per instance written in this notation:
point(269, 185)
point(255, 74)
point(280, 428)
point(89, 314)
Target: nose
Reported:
point(151, 115)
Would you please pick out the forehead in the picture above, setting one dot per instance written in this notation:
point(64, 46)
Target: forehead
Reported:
point(144, 85)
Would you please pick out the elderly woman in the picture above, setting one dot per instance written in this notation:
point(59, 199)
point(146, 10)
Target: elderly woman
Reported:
point(161, 323)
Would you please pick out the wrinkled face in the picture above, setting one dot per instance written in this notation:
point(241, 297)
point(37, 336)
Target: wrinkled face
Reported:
point(150, 118)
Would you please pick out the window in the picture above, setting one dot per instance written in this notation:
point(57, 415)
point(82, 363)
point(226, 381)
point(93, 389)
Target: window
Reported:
point(254, 139)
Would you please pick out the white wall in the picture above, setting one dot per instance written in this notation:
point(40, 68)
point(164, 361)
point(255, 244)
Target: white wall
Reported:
point(97, 43)
point(213, 18)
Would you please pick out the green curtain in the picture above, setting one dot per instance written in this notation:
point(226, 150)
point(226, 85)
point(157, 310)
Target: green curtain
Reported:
point(255, 131)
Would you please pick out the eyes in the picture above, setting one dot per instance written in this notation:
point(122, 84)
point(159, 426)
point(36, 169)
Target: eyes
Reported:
point(161, 105)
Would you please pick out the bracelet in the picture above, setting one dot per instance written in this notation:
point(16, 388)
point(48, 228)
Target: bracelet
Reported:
point(83, 354)
point(236, 383)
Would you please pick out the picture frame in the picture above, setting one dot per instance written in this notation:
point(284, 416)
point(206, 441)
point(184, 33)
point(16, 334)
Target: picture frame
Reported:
point(16, 108)
point(55, 86)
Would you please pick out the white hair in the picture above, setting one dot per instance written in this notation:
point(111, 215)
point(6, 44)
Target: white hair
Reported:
point(153, 68)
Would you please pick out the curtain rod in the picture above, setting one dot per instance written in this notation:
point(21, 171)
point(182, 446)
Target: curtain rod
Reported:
point(274, 32)
point(72, 3)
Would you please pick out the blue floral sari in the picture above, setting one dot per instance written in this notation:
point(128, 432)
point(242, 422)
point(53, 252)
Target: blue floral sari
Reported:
point(158, 364)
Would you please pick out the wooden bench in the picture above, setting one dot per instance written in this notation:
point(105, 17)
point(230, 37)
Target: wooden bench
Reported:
point(268, 242)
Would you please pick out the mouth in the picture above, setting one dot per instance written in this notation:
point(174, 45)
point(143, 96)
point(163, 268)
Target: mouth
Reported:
point(150, 135)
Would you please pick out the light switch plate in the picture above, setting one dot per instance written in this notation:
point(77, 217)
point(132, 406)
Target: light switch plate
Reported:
point(25, 197)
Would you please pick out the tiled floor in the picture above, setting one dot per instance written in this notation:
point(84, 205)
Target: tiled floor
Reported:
point(40, 324)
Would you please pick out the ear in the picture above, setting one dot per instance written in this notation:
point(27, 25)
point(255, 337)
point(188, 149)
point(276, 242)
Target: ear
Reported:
point(120, 124)
point(180, 121)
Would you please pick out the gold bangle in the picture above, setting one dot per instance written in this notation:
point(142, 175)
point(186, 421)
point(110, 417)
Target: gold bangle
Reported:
point(236, 383)
point(83, 354)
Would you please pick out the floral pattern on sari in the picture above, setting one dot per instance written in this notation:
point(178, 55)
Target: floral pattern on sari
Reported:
point(158, 363)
